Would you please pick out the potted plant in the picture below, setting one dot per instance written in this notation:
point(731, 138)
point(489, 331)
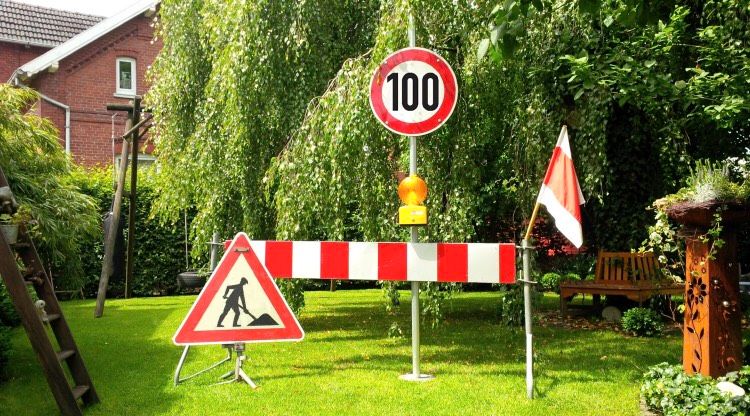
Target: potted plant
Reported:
point(9, 224)
point(9, 228)
point(712, 193)
point(192, 279)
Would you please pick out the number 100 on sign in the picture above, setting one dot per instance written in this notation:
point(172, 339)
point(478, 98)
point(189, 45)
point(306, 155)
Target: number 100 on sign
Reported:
point(413, 92)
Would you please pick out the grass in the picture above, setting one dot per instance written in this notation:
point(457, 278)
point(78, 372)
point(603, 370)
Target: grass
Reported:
point(346, 364)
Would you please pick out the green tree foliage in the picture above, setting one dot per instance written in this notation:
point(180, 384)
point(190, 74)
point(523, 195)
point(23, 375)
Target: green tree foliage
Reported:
point(39, 174)
point(245, 72)
point(643, 96)
point(159, 248)
point(271, 131)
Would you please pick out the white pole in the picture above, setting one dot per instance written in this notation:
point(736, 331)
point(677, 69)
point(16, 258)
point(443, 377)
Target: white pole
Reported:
point(416, 374)
point(527, 319)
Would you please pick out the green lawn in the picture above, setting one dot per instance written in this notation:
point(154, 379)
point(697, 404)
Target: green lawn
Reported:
point(346, 364)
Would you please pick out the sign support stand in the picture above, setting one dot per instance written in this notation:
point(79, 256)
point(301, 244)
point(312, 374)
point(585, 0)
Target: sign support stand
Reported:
point(183, 357)
point(177, 380)
point(526, 248)
point(238, 373)
point(416, 374)
point(527, 282)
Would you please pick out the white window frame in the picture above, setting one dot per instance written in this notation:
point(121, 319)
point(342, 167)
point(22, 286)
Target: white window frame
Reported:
point(145, 161)
point(125, 92)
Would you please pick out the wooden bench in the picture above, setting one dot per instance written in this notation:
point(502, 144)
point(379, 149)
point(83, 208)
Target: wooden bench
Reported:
point(634, 275)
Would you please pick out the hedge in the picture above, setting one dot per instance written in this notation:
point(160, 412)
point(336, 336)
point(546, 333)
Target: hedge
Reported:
point(8, 318)
point(159, 249)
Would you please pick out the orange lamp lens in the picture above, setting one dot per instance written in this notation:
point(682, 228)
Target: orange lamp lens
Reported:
point(412, 190)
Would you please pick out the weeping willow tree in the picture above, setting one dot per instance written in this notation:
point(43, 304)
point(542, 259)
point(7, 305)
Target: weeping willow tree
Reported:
point(336, 177)
point(231, 83)
point(264, 123)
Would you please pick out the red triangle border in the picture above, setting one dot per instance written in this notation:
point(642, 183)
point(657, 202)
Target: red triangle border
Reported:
point(187, 335)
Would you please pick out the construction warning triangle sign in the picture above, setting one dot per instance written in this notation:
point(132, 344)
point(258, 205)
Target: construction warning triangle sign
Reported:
point(239, 303)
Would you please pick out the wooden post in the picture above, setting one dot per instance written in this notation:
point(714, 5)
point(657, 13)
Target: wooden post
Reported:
point(712, 336)
point(109, 242)
point(135, 119)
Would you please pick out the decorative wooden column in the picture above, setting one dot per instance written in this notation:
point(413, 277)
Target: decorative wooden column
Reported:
point(712, 332)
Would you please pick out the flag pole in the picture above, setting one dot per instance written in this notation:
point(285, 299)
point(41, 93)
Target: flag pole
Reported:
point(532, 221)
point(560, 174)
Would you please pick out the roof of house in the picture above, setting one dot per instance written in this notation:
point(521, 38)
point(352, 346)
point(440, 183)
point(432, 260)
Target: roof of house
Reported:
point(40, 26)
point(81, 40)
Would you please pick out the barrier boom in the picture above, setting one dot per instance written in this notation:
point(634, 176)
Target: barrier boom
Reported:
point(393, 261)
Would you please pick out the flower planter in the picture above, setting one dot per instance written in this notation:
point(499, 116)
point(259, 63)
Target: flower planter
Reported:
point(190, 280)
point(702, 214)
point(10, 232)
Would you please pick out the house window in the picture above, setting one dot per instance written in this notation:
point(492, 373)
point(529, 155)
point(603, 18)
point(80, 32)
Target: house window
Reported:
point(145, 161)
point(126, 76)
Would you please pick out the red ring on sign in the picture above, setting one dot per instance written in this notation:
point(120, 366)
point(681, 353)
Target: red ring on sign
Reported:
point(449, 97)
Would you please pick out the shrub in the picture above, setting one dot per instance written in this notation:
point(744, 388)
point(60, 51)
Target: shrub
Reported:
point(580, 264)
point(8, 315)
point(572, 276)
point(511, 305)
point(4, 351)
point(8, 319)
point(550, 282)
point(667, 389)
point(160, 247)
point(38, 171)
point(642, 322)
point(295, 297)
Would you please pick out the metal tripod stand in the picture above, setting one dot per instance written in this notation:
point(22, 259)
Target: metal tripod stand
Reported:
point(238, 374)
point(178, 380)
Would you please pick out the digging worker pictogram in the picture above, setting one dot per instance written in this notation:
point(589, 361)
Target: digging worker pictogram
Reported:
point(235, 296)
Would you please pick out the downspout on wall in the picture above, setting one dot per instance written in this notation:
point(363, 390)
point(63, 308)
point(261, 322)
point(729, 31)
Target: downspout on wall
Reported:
point(14, 79)
point(67, 119)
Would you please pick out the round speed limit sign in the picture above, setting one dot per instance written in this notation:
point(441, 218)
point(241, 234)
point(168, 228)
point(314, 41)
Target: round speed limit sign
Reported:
point(413, 92)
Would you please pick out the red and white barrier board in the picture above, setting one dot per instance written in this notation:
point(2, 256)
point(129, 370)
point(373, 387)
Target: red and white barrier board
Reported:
point(413, 262)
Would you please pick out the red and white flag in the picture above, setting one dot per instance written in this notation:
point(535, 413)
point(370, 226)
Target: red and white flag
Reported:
point(561, 193)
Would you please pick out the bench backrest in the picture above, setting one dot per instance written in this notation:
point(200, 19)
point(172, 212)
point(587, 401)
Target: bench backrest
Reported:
point(625, 266)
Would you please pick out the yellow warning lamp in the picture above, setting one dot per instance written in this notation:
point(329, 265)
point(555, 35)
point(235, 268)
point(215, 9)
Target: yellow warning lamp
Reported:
point(412, 191)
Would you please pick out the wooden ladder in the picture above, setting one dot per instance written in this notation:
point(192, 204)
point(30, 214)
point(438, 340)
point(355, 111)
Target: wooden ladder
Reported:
point(34, 275)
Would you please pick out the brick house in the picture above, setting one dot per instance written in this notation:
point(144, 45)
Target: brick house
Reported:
point(78, 74)
point(29, 31)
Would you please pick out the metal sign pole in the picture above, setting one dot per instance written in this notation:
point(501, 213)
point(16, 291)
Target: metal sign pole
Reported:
point(416, 374)
point(527, 318)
